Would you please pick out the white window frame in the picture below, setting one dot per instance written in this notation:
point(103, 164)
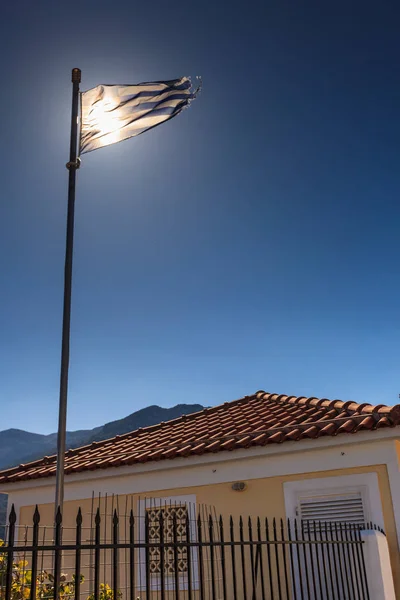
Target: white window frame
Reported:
point(366, 483)
point(169, 581)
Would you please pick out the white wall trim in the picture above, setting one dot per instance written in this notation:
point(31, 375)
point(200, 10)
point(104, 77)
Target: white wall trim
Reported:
point(246, 468)
point(378, 567)
point(242, 465)
point(367, 483)
point(393, 469)
point(304, 446)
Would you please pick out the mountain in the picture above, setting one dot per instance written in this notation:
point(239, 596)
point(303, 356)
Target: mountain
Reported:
point(152, 415)
point(18, 446)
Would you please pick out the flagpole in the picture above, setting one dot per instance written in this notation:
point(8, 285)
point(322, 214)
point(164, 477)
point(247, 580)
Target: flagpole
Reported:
point(72, 166)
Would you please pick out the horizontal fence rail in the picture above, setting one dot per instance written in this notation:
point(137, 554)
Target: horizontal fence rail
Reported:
point(181, 552)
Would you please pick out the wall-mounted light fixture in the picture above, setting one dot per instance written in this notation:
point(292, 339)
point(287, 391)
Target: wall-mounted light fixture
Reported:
point(239, 486)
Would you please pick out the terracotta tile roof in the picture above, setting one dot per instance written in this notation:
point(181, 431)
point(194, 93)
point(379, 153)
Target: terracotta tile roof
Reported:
point(255, 420)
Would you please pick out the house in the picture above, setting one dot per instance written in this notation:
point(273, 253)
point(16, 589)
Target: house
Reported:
point(262, 455)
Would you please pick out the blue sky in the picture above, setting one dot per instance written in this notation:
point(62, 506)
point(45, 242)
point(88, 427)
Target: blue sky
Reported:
point(250, 243)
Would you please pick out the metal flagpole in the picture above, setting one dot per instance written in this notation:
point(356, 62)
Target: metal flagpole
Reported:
point(72, 166)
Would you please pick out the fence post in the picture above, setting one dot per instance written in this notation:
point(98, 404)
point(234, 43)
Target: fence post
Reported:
point(35, 542)
point(132, 586)
point(78, 551)
point(10, 556)
point(377, 563)
point(188, 556)
point(57, 554)
point(233, 556)
point(97, 540)
point(115, 537)
point(201, 560)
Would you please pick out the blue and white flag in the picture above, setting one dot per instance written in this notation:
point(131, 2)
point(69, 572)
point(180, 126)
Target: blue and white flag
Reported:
point(112, 113)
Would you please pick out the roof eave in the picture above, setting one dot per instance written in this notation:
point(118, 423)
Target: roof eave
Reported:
point(389, 434)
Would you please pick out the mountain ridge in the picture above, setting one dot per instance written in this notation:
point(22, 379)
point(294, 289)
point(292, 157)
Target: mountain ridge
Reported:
point(19, 446)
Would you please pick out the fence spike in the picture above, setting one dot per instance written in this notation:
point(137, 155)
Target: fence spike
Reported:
point(282, 528)
point(295, 527)
point(11, 540)
point(58, 516)
point(13, 516)
point(36, 516)
point(281, 555)
point(201, 559)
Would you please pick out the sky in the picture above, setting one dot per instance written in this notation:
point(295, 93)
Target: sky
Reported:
point(251, 243)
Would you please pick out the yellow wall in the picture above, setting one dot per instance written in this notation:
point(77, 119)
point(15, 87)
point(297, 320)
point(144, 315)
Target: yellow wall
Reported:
point(263, 497)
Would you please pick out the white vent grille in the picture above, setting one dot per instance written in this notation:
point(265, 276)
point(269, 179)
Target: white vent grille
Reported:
point(339, 508)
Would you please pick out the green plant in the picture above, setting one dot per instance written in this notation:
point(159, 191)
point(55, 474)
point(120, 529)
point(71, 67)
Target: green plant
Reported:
point(106, 593)
point(21, 582)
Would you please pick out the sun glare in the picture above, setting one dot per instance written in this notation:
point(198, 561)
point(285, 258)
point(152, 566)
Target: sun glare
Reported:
point(104, 121)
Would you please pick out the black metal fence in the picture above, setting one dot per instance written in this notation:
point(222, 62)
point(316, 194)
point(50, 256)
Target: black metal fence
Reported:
point(181, 552)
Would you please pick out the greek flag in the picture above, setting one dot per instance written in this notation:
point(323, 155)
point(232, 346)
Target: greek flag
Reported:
point(112, 113)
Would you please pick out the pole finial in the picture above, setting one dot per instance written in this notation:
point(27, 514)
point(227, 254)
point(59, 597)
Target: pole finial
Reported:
point(76, 75)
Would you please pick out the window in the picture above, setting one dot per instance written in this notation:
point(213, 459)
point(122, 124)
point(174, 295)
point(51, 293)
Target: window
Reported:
point(340, 508)
point(345, 499)
point(348, 498)
point(171, 517)
point(165, 512)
